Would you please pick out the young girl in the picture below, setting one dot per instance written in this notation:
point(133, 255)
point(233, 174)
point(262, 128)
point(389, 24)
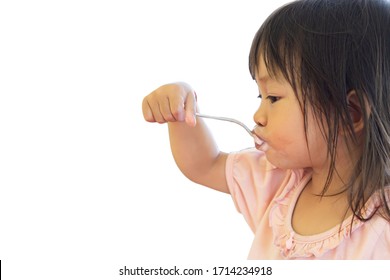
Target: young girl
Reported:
point(318, 186)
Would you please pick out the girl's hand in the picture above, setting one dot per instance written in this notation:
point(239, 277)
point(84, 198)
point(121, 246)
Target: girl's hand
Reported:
point(171, 103)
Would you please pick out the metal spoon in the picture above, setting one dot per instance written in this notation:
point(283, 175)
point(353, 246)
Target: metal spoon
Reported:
point(254, 136)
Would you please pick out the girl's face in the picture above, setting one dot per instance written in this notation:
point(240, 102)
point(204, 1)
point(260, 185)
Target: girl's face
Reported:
point(281, 125)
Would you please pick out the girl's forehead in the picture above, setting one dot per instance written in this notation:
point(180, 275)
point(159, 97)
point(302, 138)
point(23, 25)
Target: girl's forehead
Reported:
point(263, 75)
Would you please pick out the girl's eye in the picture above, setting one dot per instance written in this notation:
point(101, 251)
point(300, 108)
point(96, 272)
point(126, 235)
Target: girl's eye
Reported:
point(273, 99)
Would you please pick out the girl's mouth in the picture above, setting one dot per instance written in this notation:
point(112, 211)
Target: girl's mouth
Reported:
point(257, 139)
point(260, 144)
point(263, 147)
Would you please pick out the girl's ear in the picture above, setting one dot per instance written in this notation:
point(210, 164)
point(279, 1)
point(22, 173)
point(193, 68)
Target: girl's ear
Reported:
point(355, 111)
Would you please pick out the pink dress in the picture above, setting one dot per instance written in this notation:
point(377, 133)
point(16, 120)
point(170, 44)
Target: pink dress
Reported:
point(266, 197)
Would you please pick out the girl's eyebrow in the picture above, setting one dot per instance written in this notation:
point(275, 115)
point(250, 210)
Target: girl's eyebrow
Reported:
point(263, 79)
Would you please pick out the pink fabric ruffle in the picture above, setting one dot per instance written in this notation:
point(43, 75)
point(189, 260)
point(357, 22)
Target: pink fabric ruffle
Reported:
point(290, 244)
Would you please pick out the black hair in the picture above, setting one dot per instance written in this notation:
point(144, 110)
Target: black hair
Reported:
point(325, 49)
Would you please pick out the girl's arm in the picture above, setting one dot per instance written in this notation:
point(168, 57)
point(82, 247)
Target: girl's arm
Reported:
point(192, 144)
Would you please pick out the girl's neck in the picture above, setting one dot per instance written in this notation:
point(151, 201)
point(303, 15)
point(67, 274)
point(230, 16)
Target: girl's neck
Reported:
point(320, 185)
point(344, 165)
point(316, 210)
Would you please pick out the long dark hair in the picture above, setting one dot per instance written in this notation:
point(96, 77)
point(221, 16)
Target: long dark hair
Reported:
point(326, 49)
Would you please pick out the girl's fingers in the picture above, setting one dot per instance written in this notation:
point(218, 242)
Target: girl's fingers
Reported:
point(176, 106)
point(171, 103)
point(162, 109)
point(151, 109)
point(147, 111)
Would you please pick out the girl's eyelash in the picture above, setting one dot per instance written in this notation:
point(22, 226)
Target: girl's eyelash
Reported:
point(271, 98)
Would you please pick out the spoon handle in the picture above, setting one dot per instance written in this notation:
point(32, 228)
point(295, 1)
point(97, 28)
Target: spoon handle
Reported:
point(226, 119)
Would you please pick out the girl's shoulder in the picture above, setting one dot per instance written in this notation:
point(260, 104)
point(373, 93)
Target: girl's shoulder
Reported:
point(254, 183)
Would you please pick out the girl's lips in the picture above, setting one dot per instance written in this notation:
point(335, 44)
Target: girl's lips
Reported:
point(263, 147)
point(257, 139)
point(260, 144)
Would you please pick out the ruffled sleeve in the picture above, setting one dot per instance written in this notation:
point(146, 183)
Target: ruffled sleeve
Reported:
point(253, 183)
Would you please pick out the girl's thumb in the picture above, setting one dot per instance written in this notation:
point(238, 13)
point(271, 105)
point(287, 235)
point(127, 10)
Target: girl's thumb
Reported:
point(190, 109)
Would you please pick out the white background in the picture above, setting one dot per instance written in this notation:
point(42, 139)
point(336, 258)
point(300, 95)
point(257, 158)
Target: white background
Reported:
point(86, 185)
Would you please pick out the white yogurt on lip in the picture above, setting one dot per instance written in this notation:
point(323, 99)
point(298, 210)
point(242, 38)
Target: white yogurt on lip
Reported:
point(263, 147)
point(257, 140)
point(260, 144)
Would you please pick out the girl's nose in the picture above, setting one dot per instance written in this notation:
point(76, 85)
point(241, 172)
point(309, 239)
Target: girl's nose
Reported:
point(259, 117)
